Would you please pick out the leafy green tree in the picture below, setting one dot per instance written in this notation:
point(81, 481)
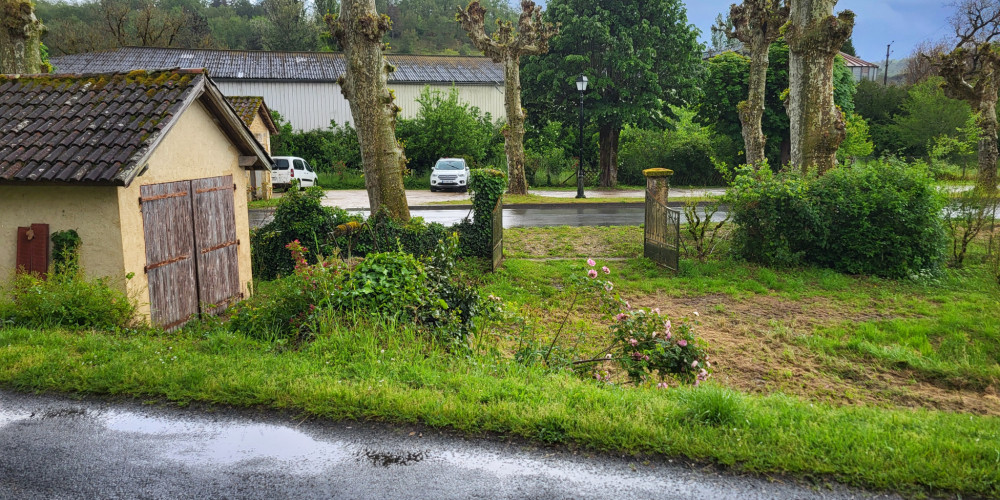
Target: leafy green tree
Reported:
point(640, 57)
point(289, 27)
point(879, 105)
point(927, 114)
point(445, 126)
point(857, 141)
point(848, 47)
point(725, 85)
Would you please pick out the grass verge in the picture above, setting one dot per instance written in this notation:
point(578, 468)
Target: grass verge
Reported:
point(387, 372)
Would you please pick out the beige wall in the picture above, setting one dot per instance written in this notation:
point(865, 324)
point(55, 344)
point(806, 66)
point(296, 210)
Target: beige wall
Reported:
point(91, 211)
point(194, 148)
point(260, 178)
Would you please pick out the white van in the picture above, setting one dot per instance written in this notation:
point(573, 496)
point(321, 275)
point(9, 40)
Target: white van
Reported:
point(291, 168)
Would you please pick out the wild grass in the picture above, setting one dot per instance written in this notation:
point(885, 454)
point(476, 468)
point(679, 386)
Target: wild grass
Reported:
point(941, 328)
point(384, 371)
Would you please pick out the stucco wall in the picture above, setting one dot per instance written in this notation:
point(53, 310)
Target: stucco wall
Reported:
point(194, 148)
point(260, 178)
point(91, 211)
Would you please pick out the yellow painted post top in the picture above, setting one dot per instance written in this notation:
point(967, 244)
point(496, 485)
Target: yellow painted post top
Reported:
point(657, 172)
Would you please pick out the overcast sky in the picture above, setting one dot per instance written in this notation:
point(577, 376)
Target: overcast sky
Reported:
point(878, 22)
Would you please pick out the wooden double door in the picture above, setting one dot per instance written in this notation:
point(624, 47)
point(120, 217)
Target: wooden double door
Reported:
point(192, 259)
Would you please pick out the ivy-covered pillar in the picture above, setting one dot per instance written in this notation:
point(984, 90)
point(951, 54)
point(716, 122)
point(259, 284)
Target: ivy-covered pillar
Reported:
point(657, 184)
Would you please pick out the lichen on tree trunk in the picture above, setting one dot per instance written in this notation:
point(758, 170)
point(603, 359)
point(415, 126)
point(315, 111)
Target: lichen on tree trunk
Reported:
point(987, 174)
point(752, 110)
point(506, 47)
point(20, 38)
point(513, 133)
point(756, 23)
point(816, 126)
point(977, 83)
point(359, 30)
point(607, 139)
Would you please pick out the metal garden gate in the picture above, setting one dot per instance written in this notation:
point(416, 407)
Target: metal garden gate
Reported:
point(662, 234)
point(497, 234)
point(191, 248)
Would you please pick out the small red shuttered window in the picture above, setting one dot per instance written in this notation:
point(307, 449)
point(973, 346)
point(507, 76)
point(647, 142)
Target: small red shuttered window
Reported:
point(33, 249)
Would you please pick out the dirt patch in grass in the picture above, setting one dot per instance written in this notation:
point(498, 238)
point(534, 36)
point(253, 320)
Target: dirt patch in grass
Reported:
point(570, 242)
point(753, 348)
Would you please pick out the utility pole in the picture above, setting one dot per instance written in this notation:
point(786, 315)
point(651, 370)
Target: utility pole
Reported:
point(885, 74)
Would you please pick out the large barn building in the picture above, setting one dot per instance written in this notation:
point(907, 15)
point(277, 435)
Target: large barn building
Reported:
point(302, 86)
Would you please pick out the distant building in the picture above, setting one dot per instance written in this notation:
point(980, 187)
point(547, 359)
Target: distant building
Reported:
point(861, 69)
point(302, 86)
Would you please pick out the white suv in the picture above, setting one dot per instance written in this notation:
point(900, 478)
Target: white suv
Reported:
point(291, 168)
point(450, 173)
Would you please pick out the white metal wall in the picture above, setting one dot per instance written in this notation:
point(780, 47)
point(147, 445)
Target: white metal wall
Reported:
point(306, 105)
point(488, 98)
point(309, 106)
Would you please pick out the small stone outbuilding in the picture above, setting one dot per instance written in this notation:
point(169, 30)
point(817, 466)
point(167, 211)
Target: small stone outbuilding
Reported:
point(148, 167)
point(255, 115)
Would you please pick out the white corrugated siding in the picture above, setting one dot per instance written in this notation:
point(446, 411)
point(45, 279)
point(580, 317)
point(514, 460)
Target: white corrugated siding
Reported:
point(306, 105)
point(489, 99)
point(309, 106)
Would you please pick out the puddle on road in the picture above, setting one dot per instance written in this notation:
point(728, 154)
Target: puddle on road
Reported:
point(385, 459)
point(228, 443)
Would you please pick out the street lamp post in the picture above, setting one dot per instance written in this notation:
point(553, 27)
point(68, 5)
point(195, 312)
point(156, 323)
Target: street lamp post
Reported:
point(581, 85)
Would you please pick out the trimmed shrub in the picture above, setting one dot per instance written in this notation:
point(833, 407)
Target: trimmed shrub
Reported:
point(883, 219)
point(298, 216)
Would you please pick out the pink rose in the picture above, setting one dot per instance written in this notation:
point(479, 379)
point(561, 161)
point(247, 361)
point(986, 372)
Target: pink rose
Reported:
point(606, 270)
point(591, 263)
point(682, 343)
point(592, 273)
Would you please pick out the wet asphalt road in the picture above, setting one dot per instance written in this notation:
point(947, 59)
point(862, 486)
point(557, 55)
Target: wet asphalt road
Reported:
point(581, 215)
point(55, 448)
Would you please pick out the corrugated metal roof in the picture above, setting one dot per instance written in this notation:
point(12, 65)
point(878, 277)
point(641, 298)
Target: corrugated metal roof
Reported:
point(293, 66)
point(856, 62)
point(86, 128)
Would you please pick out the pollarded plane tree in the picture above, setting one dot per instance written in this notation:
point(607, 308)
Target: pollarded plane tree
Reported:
point(359, 30)
point(971, 72)
point(20, 36)
point(814, 38)
point(506, 46)
point(756, 23)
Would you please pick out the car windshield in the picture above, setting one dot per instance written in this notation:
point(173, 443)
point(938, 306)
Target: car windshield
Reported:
point(280, 164)
point(450, 165)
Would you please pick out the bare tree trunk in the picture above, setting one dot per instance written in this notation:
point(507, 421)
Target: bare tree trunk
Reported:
point(814, 37)
point(987, 175)
point(506, 46)
point(752, 110)
point(20, 36)
point(607, 138)
point(756, 23)
point(513, 134)
point(359, 29)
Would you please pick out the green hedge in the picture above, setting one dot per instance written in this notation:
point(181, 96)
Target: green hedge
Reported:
point(327, 231)
point(882, 218)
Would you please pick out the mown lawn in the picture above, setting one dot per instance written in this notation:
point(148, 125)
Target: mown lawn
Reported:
point(876, 383)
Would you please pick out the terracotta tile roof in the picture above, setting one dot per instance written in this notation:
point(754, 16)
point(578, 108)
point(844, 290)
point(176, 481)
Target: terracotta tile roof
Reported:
point(86, 129)
point(285, 66)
